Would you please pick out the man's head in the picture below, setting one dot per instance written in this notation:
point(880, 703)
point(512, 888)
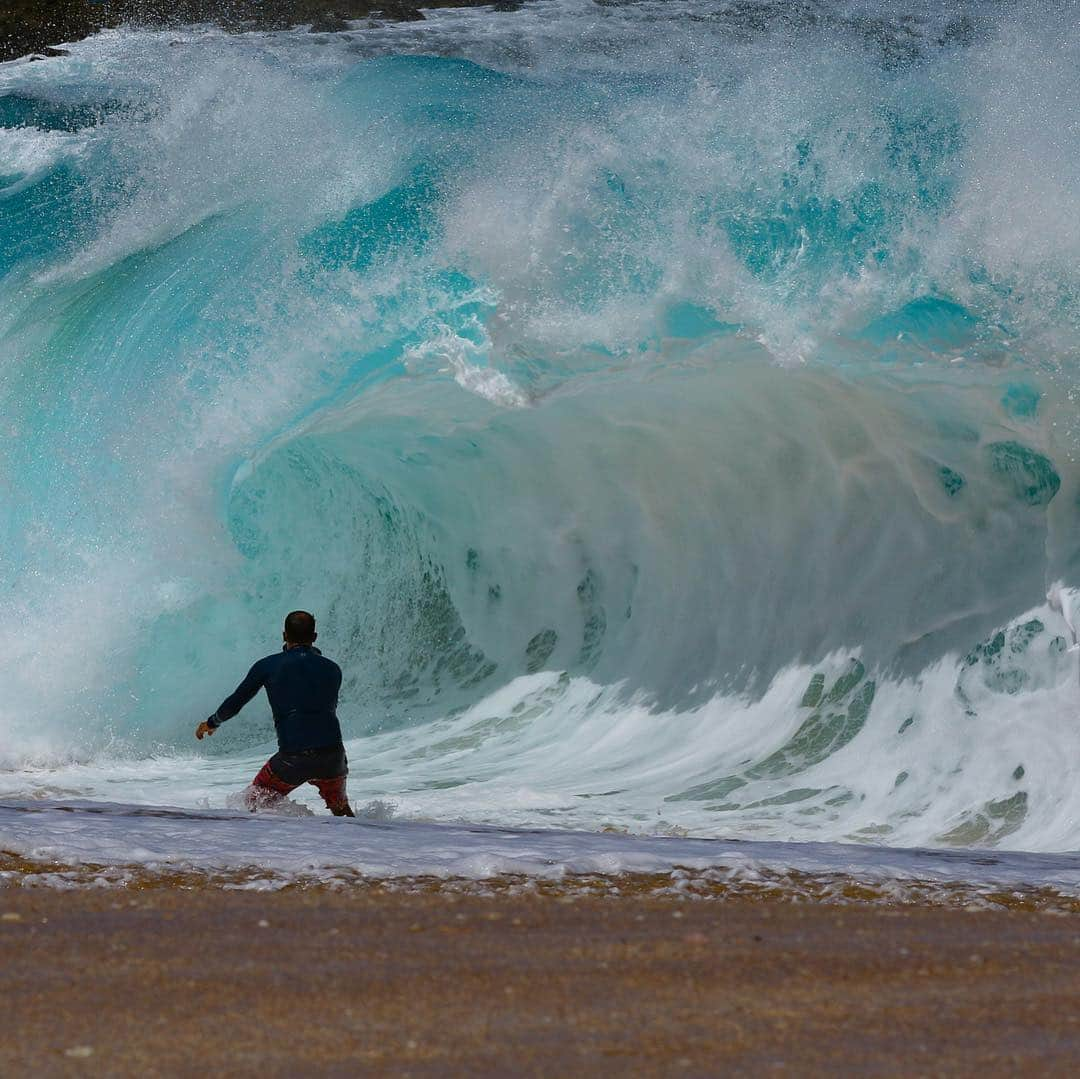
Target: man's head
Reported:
point(299, 628)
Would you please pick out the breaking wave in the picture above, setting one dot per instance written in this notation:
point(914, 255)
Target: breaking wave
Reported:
point(667, 409)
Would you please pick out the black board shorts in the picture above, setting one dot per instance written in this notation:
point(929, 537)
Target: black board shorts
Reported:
point(305, 765)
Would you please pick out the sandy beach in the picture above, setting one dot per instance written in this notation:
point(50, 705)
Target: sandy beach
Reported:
point(168, 980)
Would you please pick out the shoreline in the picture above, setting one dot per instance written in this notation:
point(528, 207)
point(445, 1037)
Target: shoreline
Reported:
point(840, 890)
point(333, 982)
point(81, 845)
point(40, 27)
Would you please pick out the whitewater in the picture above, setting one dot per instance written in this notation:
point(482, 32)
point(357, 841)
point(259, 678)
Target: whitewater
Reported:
point(668, 411)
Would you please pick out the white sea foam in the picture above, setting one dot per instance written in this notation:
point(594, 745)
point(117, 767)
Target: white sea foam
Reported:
point(467, 360)
point(550, 751)
point(27, 153)
point(268, 852)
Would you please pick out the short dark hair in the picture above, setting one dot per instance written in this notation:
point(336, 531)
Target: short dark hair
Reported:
point(299, 627)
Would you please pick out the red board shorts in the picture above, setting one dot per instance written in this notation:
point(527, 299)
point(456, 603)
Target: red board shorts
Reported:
point(325, 769)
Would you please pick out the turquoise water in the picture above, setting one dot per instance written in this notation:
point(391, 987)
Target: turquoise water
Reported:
point(664, 409)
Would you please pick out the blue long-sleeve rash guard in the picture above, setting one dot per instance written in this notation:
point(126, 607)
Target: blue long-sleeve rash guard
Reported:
point(303, 686)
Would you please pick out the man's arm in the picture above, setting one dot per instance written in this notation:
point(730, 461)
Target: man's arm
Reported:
point(234, 702)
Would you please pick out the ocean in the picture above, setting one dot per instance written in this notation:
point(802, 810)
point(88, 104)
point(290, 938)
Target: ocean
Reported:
point(668, 410)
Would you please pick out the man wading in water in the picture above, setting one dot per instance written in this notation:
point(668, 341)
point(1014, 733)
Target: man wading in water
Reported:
point(302, 685)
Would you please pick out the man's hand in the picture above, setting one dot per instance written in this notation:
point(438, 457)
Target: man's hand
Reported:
point(203, 728)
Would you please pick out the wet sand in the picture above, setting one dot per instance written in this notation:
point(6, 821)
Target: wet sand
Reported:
point(171, 980)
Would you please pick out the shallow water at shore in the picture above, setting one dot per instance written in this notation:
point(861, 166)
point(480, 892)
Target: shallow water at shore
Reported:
point(78, 845)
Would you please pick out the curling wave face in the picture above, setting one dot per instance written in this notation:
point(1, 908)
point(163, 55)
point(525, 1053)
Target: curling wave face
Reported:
point(667, 410)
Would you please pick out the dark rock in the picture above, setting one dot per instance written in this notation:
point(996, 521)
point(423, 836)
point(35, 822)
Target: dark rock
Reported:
point(37, 26)
point(31, 26)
